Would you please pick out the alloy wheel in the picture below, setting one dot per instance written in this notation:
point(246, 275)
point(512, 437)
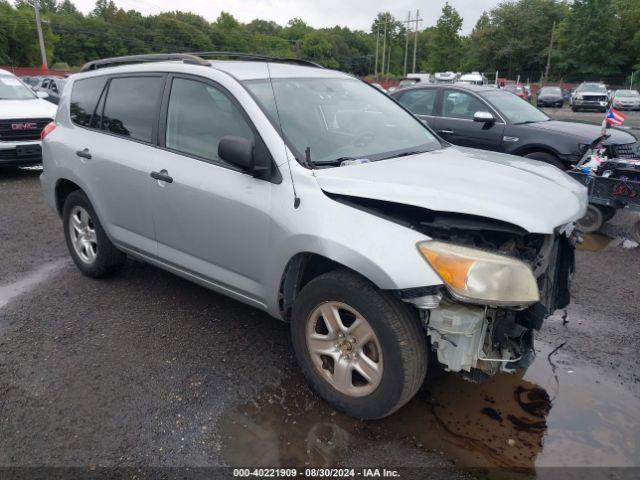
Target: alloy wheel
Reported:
point(344, 349)
point(83, 235)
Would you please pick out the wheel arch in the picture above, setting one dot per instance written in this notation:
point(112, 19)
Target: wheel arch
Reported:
point(531, 148)
point(299, 271)
point(63, 189)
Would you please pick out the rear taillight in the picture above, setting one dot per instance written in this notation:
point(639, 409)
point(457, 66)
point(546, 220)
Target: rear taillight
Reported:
point(50, 127)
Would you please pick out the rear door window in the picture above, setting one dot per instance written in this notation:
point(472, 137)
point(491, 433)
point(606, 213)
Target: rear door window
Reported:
point(85, 95)
point(131, 107)
point(420, 101)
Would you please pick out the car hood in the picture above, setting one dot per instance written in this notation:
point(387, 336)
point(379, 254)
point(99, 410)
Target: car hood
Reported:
point(535, 196)
point(586, 132)
point(30, 108)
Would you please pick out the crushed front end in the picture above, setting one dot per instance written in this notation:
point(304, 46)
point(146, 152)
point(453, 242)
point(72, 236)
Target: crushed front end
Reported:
point(481, 338)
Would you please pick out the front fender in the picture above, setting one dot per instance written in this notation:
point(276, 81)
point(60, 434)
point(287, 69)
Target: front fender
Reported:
point(382, 251)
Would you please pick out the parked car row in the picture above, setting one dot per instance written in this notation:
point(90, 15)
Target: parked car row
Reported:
point(52, 85)
point(321, 200)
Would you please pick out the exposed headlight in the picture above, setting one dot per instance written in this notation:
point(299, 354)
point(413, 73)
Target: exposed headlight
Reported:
point(477, 276)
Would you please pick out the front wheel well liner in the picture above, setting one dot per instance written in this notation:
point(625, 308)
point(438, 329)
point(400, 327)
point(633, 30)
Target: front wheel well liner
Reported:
point(64, 188)
point(300, 270)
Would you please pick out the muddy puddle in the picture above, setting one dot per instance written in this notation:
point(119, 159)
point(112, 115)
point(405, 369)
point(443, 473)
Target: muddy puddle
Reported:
point(598, 241)
point(558, 413)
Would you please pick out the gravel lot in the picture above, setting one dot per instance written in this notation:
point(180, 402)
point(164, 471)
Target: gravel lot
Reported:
point(146, 369)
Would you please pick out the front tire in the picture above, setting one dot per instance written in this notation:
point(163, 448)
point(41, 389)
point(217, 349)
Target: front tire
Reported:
point(88, 244)
point(361, 349)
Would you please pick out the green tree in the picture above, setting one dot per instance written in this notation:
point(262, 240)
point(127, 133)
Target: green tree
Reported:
point(589, 40)
point(514, 37)
point(446, 47)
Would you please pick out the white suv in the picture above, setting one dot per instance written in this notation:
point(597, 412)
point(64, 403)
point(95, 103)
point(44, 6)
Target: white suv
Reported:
point(315, 197)
point(23, 115)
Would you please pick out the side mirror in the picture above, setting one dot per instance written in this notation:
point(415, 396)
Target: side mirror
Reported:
point(240, 152)
point(40, 94)
point(484, 117)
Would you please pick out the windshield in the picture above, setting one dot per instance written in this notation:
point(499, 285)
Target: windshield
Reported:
point(340, 118)
point(627, 93)
point(31, 81)
point(592, 87)
point(13, 89)
point(551, 91)
point(515, 109)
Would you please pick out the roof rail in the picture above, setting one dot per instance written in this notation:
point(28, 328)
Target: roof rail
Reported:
point(154, 57)
point(255, 57)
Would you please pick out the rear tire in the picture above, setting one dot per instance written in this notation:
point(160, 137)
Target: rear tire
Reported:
point(395, 347)
point(546, 157)
point(88, 244)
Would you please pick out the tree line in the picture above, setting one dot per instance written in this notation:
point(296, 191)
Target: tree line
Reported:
point(594, 39)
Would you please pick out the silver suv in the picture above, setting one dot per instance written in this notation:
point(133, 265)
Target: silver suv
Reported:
point(313, 196)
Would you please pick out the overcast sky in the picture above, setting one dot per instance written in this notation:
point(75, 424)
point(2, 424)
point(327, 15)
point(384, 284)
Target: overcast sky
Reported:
point(355, 14)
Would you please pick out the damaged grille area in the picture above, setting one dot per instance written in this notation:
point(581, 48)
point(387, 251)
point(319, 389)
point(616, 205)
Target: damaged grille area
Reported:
point(628, 150)
point(476, 340)
point(550, 256)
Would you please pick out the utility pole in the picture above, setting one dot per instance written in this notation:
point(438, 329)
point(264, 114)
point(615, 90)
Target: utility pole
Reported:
point(406, 43)
point(546, 72)
point(384, 47)
point(415, 40)
point(389, 56)
point(43, 53)
point(377, 40)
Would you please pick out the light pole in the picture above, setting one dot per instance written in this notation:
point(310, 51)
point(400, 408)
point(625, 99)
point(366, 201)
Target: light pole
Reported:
point(546, 73)
point(415, 40)
point(384, 47)
point(377, 41)
point(43, 53)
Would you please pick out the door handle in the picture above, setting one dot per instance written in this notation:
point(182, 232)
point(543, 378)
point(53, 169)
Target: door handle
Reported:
point(84, 154)
point(449, 132)
point(162, 176)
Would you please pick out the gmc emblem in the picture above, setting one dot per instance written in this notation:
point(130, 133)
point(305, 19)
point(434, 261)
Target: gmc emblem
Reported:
point(24, 126)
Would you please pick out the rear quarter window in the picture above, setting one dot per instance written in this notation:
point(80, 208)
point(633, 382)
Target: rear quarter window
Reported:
point(84, 99)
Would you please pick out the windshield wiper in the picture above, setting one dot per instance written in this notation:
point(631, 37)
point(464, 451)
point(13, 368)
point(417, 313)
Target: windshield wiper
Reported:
point(335, 160)
point(404, 154)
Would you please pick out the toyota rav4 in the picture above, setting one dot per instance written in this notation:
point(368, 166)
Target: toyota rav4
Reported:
point(313, 196)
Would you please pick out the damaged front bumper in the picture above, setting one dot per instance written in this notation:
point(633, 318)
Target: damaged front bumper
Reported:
point(481, 340)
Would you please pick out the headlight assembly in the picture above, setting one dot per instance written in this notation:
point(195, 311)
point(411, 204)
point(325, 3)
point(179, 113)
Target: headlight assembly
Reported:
point(481, 277)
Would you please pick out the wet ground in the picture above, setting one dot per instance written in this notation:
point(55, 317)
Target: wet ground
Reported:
point(146, 369)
